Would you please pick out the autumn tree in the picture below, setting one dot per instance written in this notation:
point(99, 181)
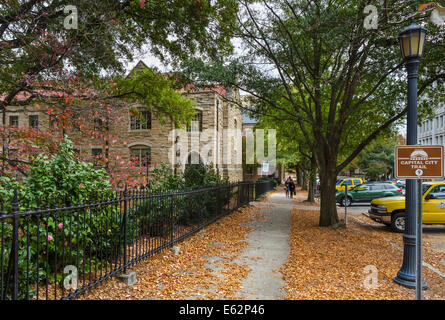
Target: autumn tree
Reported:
point(49, 62)
point(344, 82)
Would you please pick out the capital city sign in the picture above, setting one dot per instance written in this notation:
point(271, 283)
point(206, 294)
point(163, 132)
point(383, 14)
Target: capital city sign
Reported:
point(419, 162)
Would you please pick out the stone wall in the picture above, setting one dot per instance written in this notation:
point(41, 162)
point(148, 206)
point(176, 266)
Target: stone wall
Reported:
point(115, 137)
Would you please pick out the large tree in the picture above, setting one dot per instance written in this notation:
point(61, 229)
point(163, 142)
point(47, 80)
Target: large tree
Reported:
point(344, 82)
point(35, 44)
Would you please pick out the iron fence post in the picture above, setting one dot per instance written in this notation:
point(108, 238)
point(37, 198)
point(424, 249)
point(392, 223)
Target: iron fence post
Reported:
point(239, 195)
point(218, 201)
point(15, 247)
point(171, 218)
point(124, 219)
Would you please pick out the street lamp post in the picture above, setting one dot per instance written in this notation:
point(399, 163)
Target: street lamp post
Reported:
point(412, 40)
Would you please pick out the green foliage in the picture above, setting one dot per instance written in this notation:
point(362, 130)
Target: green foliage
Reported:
point(90, 235)
point(59, 238)
point(109, 33)
point(165, 180)
point(275, 181)
point(189, 208)
point(157, 94)
point(200, 175)
point(378, 158)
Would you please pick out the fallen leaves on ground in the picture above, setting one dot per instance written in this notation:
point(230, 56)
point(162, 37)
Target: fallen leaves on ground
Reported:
point(192, 274)
point(332, 264)
point(436, 283)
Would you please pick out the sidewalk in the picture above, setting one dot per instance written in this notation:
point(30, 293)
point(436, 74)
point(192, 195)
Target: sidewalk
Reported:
point(270, 243)
point(233, 258)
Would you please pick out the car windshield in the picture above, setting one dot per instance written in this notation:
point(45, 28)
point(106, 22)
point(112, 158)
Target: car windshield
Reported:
point(425, 187)
point(357, 187)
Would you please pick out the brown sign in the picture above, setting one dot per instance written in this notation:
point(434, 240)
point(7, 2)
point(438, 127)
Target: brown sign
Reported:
point(419, 162)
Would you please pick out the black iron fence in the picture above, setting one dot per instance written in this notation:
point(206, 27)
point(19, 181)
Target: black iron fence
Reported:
point(57, 251)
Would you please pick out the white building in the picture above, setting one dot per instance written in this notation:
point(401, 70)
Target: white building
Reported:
point(432, 132)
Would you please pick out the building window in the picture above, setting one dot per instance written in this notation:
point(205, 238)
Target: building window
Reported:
point(140, 156)
point(140, 119)
point(194, 158)
point(196, 124)
point(97, 155)
point(14, 121)
point(34, 121)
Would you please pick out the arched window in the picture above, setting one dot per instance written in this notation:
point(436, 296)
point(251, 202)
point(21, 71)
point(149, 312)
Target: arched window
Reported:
point(196, 124)
point(194, 158)
point(140, 156)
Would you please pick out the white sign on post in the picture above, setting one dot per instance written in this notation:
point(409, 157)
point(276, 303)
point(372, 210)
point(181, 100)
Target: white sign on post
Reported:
point(266, 167)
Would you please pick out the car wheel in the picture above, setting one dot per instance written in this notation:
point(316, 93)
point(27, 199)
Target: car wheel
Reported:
point(398, 222)
point(346, 202)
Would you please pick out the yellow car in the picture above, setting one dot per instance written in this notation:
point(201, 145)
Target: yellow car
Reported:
point(350, 182)
point(391, 210)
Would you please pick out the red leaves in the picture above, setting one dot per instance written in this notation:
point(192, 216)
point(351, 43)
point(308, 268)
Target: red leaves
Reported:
point(141, 3)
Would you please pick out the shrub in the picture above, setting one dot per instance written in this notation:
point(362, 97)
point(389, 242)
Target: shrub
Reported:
point(165, 180)
point(59, 237)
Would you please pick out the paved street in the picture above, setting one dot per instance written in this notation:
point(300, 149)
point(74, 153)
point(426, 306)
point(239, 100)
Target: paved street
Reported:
point(356, 208)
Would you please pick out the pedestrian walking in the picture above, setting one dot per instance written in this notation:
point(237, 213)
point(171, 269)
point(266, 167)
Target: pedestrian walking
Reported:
point(286, 186)
point(292, 188)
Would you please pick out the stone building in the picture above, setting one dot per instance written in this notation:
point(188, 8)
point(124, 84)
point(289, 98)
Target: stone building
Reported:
point(132, 144)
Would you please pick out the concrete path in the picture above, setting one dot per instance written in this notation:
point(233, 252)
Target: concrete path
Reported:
point(268, 249)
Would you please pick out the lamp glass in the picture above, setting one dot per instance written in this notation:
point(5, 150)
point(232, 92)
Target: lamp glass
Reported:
point(404, 42)
point(421, 43)
point(415, 39)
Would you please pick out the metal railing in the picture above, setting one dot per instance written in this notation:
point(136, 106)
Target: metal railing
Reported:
point(57, 251)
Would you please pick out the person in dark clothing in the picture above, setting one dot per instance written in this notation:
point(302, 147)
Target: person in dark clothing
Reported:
point(292, 187)
point(286, 186)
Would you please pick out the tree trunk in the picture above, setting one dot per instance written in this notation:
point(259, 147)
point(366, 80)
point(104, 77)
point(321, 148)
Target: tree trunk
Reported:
point(298, 175)
point(312, 176)
point(328, 205)
point(310, 194)
point(303, 178)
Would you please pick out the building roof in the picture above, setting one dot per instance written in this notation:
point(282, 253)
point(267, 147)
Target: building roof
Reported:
point(190, 88)
point(248, 120)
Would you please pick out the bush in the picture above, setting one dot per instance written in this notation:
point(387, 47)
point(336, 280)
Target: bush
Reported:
point(60, 237)
point(275, 181)
point(165, 180)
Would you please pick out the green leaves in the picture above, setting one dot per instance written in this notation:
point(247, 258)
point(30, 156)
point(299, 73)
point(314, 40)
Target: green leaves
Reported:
point(156, 92)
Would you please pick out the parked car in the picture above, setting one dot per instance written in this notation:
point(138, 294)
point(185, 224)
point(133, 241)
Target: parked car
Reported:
point(391, 210)
point(366, 192)
point(350, 182)
point(401, 183)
